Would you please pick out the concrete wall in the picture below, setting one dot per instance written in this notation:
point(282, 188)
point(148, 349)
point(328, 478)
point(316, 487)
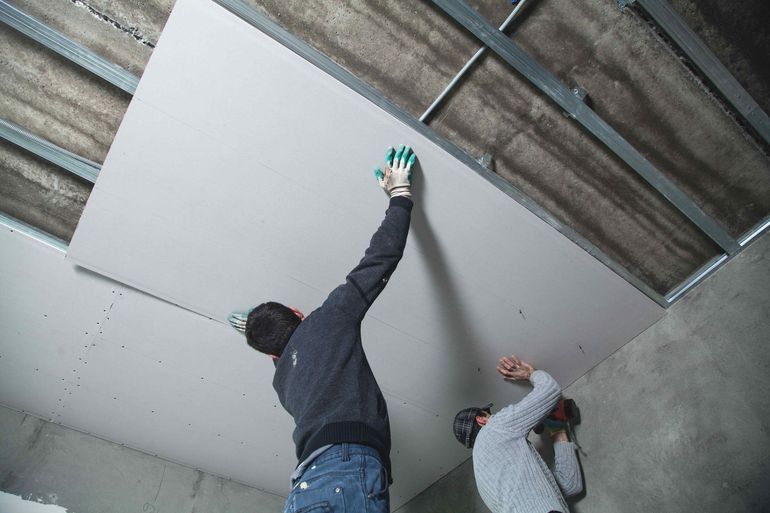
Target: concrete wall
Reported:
point(45, 462)
point(677, 420)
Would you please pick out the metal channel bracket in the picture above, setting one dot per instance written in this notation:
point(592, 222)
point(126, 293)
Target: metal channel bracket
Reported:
point(67, 160)
point(67, 48)
point(567, 100)
point(696, 50)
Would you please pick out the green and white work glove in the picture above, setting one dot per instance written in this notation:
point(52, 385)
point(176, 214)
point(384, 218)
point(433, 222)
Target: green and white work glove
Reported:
point(396, 180)
point(238, 320)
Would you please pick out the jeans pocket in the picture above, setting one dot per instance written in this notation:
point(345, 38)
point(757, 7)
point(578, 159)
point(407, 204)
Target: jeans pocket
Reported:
point(321, 507)
point(323, 493)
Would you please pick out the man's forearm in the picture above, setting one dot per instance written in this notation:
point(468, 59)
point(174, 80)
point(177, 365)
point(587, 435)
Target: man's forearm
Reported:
point(385, 250)
point(367, 280)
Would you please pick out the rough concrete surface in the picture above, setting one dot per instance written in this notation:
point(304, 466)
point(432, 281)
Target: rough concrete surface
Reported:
point(101, 34)
point(553, 161)
point(641, 88)
point(739, 35)
point(406, 50)
point(653, 103)
point(57, 100)
point(142, 19)
point(39, 193)
point(52, 464)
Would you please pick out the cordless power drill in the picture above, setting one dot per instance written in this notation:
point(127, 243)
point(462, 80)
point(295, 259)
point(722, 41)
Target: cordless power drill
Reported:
point(565, 414)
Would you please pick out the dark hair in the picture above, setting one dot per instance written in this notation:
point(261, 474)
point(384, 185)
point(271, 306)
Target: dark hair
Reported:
point(269, 327)
point(475, 428)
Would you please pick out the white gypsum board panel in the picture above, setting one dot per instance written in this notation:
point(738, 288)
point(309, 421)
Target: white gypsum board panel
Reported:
point(256, 183)
point(89, 353)
point(242, 173)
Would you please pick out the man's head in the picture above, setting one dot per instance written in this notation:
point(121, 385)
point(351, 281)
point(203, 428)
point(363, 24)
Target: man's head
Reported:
point(269, 327)
point(468, 423)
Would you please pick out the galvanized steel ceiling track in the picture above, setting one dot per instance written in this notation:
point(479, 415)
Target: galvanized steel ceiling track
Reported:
point(469, 64)
point(718, 261)
point(567, 100)
point(75, 164)
point(27, 229)
point(67, 48)
point(67, 160)
point(696, 50)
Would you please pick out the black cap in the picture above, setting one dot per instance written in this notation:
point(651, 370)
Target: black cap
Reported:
point(465, 426)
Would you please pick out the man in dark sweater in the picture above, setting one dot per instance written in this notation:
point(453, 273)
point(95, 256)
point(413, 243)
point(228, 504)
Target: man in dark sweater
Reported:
point(322, 377)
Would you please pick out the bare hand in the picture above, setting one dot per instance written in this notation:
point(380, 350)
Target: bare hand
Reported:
point(513, 369)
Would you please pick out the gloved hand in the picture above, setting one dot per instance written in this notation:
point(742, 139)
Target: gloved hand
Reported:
point(238, 320)
point(556, 421)
point(397, 178)
point(552, 426)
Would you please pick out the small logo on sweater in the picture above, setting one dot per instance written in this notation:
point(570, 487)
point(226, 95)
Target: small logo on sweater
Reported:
point(294, 358)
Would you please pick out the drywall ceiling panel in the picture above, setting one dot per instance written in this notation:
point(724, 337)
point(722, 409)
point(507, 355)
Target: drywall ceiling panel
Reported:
point(89, 353)
point(242, 173)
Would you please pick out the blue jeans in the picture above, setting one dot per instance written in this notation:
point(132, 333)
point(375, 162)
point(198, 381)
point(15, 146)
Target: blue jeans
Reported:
point(345, 478)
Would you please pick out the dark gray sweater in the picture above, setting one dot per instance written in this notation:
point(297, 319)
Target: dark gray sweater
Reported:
point(323, 378)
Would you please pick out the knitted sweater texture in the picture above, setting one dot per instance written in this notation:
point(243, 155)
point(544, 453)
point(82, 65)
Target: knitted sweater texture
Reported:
point(510, 474)
point(323, 378)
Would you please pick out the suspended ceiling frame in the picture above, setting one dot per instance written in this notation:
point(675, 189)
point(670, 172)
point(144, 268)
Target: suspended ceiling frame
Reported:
point(696, 50)
point(492, 38)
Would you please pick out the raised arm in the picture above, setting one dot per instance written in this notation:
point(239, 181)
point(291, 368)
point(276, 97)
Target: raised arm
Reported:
point(368, 279)
point(527, 413)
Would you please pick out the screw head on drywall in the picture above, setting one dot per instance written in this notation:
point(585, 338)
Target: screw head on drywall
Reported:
point(485, 160)
point(581, 93)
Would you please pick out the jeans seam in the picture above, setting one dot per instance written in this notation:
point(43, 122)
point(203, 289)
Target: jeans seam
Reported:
point(362, 480)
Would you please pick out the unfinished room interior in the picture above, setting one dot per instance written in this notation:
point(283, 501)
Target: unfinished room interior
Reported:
point(585, 208)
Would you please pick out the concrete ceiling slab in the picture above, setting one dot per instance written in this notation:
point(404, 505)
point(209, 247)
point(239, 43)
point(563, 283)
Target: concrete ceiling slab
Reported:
point(40, 193)
point(410, 51)
point(739, 35)
point(105, 32)
point(640, 87)
point(49, 96)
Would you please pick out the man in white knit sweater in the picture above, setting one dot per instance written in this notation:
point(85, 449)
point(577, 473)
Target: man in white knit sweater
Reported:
point(510, 474)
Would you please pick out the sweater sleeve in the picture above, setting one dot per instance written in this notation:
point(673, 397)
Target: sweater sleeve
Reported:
point(527, 413)
point(566, 469)
point(365, 282)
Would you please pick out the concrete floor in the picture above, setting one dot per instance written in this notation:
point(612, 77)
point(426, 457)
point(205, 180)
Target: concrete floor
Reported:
point(409, 51)
point(675, 421)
